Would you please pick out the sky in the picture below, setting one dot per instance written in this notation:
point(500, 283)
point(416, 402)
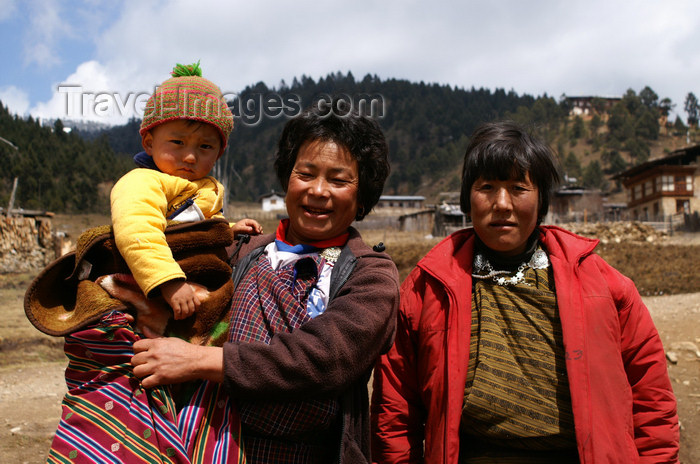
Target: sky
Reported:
point(99, 60)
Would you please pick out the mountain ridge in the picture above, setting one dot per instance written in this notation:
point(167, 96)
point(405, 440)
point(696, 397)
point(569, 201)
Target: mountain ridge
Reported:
point(427, 127)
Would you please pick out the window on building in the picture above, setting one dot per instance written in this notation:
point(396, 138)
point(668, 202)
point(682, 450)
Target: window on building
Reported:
point(683, 206)
point(667, 183)
point(681, 184)
point(637, 192)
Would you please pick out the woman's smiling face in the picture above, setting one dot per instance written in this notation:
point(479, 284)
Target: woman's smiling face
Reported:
point(322, 192)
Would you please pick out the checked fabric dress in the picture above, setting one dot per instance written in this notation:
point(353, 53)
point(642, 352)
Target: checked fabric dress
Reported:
point(269, 302)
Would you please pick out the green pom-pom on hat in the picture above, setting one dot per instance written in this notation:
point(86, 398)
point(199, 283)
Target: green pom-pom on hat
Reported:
point(186, 70)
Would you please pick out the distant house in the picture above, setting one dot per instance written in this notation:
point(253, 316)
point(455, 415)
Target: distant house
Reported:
point(575, 204)
point(419, 221)
point(583, 106)
point(400, 201)
point(448, 218)
point(663, 187)
point(614, 211)
point(272, 201)
point(438, 221)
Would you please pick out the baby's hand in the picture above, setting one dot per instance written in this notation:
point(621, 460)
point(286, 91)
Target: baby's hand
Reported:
point(181, 297)
point(247, 226)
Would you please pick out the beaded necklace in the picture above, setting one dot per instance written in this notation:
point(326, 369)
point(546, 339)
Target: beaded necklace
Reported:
point(331, 254)
point(538, 260)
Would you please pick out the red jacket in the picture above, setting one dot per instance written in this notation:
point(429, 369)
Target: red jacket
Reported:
point(623, 404)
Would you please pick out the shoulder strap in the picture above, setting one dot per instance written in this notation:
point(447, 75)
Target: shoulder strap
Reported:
point(241, 267)
point(341, 271)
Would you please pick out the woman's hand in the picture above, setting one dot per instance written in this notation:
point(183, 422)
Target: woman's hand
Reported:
point(161, 361)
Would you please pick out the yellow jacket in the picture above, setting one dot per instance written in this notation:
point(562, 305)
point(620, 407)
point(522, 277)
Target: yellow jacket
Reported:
point(141, 201)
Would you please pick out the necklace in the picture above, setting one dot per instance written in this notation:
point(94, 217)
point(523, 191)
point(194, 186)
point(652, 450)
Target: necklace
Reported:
point(538, 260)
point(331, 254)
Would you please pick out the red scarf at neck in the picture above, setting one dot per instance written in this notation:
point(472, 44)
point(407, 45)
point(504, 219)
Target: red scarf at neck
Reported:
point(338, 241)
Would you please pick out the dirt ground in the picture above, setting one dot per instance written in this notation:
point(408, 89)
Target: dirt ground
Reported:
point(32, 364)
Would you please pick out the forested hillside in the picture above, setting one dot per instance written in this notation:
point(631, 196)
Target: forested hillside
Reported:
point(426, 125)
point(56, 170)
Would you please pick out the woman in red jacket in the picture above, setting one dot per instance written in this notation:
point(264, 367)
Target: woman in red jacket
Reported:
point(515, 342)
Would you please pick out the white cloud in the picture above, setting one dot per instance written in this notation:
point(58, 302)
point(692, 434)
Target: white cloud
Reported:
point(7, 9)
point(597, 47)
point(15, 99)
point(93, 93)
point(47, 28)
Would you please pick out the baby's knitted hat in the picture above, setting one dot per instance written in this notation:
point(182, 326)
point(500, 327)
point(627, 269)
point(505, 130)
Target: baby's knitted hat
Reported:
point(187, 95)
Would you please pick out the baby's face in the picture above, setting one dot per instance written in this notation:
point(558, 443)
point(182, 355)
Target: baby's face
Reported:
point(183, 148)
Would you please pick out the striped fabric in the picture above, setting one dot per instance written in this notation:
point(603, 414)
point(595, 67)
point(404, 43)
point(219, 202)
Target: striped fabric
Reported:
point(210, 426)
point(517, 392)
point(108, 418)
point(268, 302)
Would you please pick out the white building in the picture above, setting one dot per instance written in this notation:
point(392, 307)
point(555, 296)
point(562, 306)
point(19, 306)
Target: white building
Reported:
point(272, 201)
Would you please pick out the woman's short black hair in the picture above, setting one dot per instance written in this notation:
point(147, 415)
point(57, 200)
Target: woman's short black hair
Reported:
point(504, 150)
point(360, 135)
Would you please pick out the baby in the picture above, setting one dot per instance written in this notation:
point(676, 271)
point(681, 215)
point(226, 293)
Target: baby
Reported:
point(184, 132)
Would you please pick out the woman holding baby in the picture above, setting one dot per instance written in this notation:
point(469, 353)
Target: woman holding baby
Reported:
point(314, 307)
